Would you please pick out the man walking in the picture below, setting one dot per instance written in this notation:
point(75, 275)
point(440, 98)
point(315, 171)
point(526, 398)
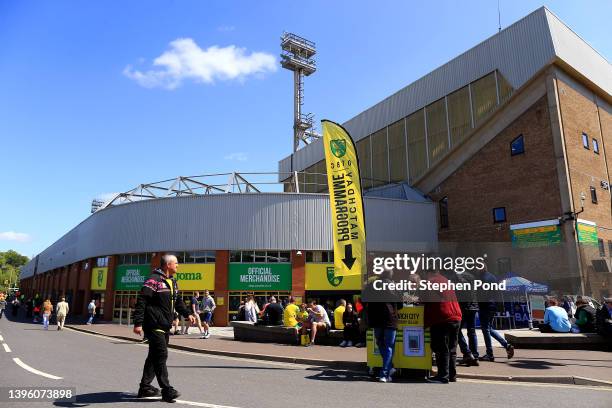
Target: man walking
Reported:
point(62, 311)
point(209, 305)
point(195, 310)
point(91, 309)
point(153, 315)
point(487, 307)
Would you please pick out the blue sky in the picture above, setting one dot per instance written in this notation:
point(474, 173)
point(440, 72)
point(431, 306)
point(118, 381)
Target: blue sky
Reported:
point(85, 111)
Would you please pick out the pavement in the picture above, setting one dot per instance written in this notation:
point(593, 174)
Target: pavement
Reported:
point(105, 371)
point(581, 367)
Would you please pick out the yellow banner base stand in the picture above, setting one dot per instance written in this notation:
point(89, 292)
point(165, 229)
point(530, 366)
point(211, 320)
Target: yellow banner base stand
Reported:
point(412, 342)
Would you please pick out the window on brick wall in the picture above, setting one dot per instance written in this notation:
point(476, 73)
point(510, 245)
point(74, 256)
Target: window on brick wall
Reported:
point(595, 146)
point(499, 214)
point(444, 212)
point(602, 248)
point(517, 146)
point(593, 195)
point(585, 140)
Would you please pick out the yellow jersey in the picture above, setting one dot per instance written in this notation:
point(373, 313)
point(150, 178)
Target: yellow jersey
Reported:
point(290, 315)
point(338, 312)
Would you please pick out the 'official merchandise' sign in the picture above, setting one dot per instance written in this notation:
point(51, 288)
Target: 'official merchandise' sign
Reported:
point(348, 223)
point(98, 278)
point(131, 277)
point(256, 276)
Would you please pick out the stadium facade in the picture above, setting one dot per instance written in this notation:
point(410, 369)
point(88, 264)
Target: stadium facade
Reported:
point(508, 144)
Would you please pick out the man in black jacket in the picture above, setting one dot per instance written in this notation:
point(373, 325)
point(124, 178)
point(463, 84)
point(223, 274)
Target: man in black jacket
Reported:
point(153, 315)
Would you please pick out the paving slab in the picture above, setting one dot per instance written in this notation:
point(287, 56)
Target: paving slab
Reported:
point(582, 367)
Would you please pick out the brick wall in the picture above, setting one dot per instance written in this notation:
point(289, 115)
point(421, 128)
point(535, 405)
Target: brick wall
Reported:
point(526, 184)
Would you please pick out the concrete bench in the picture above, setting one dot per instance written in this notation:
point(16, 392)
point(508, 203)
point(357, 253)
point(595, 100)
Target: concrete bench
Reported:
point(562, 341)
point(247, 331)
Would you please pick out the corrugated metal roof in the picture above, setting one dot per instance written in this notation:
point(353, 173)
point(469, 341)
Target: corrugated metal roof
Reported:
point(518, 52)
point(283, 221)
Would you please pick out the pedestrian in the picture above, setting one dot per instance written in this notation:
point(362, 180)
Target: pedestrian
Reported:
point(382, 317)
point(47, 310)
point(251, 310)
point(15, 307)
point(443, 317)
point(273, 315)
point(208, 306)
point(195, 310)
point(469, 307)
point(29, 307)
point(2, 305)
point(91, 310)
point(350, 324)
point(153, 316)
point(61, 311)
point(487, 307)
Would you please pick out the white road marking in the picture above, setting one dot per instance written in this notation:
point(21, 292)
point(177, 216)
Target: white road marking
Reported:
point(1, 338)
point(543, 385)
point(34, 371)
point(6, 347)
point(195, 404)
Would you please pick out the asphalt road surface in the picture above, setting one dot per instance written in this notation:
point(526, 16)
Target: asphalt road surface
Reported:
point(106, 373)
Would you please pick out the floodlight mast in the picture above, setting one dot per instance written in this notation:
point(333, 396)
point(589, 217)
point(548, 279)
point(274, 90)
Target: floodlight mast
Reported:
point(297, 56)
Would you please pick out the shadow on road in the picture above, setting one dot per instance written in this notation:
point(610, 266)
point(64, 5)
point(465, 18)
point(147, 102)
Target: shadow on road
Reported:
point(344, 375)
point(84, 400)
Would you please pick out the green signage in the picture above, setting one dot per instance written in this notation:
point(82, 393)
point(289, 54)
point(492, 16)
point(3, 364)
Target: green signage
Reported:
point(536, 236)
point(587, 233)
point(131, 277)
point(256, 276)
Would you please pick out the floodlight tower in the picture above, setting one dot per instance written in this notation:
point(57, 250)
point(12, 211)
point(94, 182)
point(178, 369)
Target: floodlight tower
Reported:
point(297, 53)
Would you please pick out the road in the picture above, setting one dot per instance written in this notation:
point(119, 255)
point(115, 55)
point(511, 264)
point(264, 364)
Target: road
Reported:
point(106, 372)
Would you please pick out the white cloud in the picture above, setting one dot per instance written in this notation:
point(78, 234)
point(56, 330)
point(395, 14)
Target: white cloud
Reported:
point(14, 236)
point(238, 156)
point(186, 60)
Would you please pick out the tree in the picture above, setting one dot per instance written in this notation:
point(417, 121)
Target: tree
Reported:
point(10, 266)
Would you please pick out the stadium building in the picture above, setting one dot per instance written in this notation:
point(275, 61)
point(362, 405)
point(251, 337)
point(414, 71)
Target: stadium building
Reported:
point(508, 145)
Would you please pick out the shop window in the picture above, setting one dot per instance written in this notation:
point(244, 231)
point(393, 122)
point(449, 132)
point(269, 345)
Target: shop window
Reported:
point(320, 256)
point(444, 212)
point(102, 262)
point(397, 151)
point(499, 214)
point(197, 257)
point(260, 256)
point(517, 146)
point(437, 130)
point(602, 248)
point(380, 163)
point(134, 259)
point(593, 195)
point(595, 146)
point(417, 151)
point(459, 115)
point(585, 141)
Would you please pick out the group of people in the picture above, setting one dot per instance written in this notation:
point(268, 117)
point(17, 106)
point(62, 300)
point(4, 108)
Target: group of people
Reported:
point(4, 302)
point(202, 312)
point(307, 319)
point(445, 315)
point(581, 316)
